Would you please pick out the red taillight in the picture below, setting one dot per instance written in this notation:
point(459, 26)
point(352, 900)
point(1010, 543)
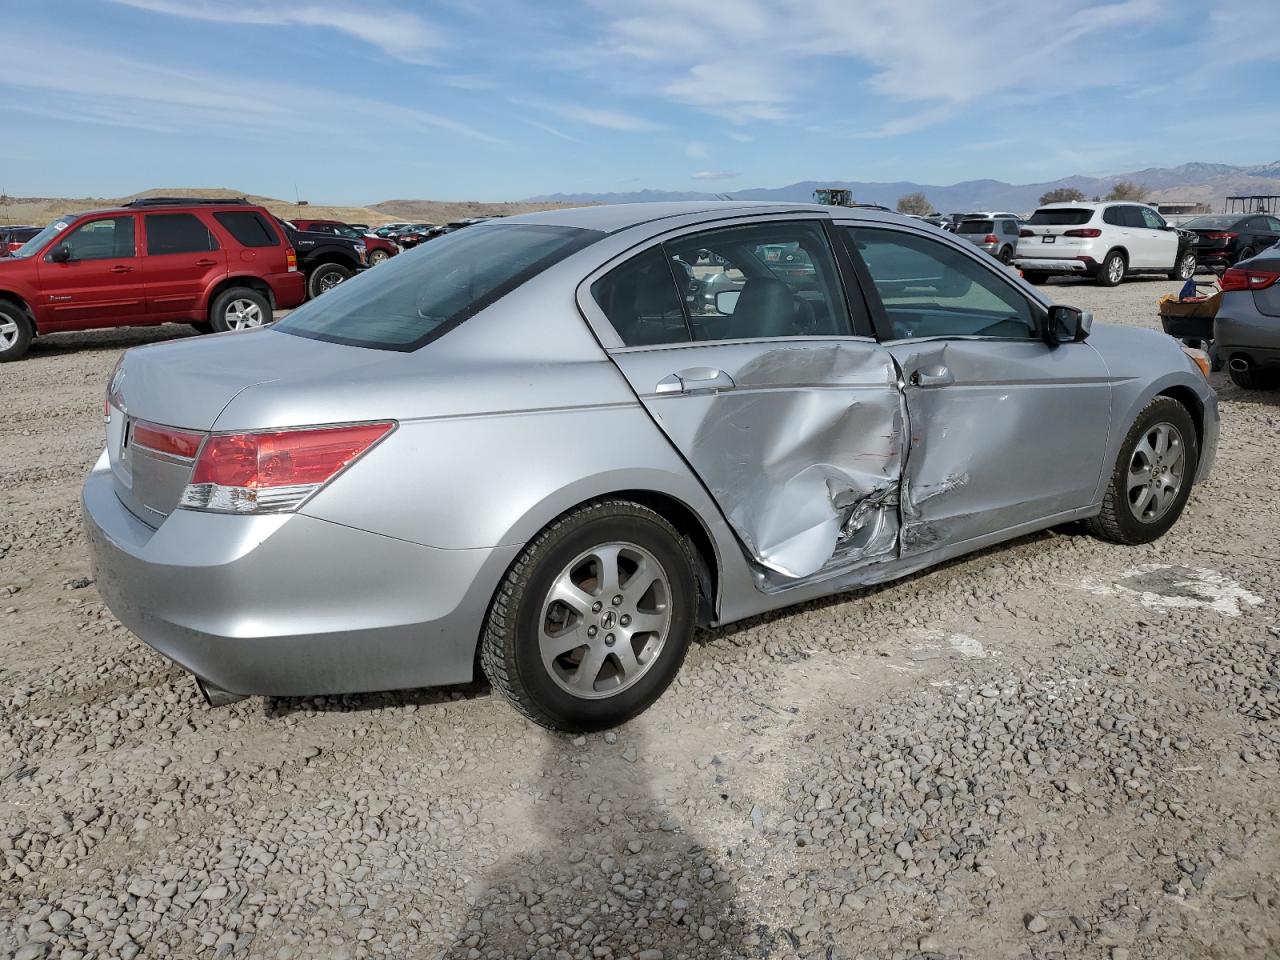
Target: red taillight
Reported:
point(1025, 233)
point(271, 472)
point(175, 443)
point(287, 458)
point(1239, 278)
point(291, 260)
point(990, 238)
point(1220, 236)
point(1083, 232)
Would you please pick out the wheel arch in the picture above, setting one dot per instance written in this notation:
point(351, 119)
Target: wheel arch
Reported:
point(9, 296)
point(243, 280)
point(1188, 398)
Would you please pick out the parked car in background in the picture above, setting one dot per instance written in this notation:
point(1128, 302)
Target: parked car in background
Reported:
point(1105, 241)
point(414, 234)
point(326, 259)
point(1222, 239)
point(377, 249)
point(377, 491)
point(1246, 329)
point(387, 229)
point(215, 264)
point(11, 238)
point(996, 235)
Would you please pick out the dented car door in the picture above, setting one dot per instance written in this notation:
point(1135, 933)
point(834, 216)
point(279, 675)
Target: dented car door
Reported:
point(793, 422)
point(1006, 430)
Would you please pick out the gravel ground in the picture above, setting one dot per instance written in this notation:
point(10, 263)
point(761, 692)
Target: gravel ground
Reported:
point(1055, 748)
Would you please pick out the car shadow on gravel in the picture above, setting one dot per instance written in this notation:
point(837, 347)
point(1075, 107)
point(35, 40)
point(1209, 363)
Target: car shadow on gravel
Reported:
point(275, 708)
point(612, 865)
point(88, 341)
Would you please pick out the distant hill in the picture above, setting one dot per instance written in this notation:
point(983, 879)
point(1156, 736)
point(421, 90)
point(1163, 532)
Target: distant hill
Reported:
point(1208, 182)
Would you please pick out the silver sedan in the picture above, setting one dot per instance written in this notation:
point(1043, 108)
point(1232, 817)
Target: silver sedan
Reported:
point(541, 445)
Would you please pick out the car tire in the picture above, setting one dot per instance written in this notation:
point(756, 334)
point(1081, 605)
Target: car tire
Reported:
point(1109, 274)
point(239, 308)
point(1006, 255)
point(325, 277)
point(1185, 268)
point(1120, 520)
point(524, 616)
point(15, 332)
point(378, 256)
point(1245, 254)
point(1251, 378)
point(1037, 277)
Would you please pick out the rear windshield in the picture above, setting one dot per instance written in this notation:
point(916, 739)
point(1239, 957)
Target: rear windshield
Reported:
point(1060, 217)
point(975, 226)
point(1212, 223)
point(413, 299)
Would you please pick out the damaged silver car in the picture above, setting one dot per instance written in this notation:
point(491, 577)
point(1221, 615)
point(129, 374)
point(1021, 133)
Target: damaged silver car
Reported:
point(556, 443)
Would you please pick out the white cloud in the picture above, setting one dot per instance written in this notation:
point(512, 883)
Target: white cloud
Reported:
point(697, 150)
point(714, 175)
point(595, 117)
point(548, 128)
point(403, 35)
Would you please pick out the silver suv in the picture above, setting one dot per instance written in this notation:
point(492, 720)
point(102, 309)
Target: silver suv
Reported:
point(1107, 241)
point(998, 235)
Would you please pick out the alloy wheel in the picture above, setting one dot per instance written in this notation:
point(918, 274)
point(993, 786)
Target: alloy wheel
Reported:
point(329, 280)
point(243, 314)
point(1156, 470)
point(605, 620)
point(1115, 270)
point(8, 333)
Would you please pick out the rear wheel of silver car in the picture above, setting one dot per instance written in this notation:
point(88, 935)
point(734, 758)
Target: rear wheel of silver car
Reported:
point(1006, 255)
point(325, 277)
point(1152, 476)
point(239, 308)
point(592, 621)
point(1185, 268)
point(15, 331)
point(1112, 270)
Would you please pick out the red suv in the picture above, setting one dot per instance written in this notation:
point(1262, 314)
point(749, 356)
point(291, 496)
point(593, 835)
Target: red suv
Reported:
point(215, 264)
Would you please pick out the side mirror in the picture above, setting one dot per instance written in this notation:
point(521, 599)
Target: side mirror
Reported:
point(1068, 324)
point(727, 301)
point(60, 254)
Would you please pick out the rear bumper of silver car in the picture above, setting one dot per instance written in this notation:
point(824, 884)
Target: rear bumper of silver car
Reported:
point(286, 604)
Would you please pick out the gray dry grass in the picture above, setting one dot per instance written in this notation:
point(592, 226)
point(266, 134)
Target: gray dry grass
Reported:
point(1057, 748)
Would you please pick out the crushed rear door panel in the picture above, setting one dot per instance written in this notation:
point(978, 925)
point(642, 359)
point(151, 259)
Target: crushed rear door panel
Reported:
point(799, 441)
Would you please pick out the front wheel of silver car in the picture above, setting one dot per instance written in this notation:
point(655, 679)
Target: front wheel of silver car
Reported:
point(1152, 477)
point(591, 623)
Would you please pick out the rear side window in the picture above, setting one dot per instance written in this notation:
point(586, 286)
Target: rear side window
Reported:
point(411, 300)
point(1009, 227)
point(249, 228)
point(178, 233)
point(1133, 217)
point(642, 302)
point(1061, 217)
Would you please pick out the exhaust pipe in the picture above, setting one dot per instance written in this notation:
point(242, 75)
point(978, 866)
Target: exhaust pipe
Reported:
point(214, 695)
point(1239, 365)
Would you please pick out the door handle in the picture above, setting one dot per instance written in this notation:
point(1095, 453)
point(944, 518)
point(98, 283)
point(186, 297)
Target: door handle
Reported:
point(935, 376)
point(121, 268)
point(695, 380)
point(206, 263)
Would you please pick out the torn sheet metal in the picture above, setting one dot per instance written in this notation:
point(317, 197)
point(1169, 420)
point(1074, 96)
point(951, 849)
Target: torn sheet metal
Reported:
point(803, 453)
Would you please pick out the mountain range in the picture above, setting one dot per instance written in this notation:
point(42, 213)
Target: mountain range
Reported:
point(1205, 182)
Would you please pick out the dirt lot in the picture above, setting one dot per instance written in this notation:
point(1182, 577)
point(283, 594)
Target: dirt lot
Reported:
point(1057, 748)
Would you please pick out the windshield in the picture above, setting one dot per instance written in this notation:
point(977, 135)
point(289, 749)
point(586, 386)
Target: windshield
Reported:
point(35, 244)
point(1212, 223)
point(1060, 217)
point(413, 299)
point(975, 226)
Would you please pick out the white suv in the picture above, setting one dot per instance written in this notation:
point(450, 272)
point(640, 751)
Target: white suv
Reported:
point(1105, 241)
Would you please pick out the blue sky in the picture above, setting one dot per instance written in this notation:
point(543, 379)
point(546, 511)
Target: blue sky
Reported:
point(356, 102)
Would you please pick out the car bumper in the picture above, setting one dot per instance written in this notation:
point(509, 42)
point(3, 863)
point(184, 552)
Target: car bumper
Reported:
point(1241, 328)
point(286, 604)
point(1047, 265)
point(288, 289)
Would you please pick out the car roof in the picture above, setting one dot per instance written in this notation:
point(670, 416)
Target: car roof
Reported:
point(612, 218)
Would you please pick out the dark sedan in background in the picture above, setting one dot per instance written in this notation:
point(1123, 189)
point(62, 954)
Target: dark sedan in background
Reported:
point(1222, 239)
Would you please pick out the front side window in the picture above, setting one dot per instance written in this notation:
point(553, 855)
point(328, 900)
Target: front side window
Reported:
point(930, 289)
point(107, 239)
point(178, 233)
point(1151, 220)
point(759, 281)
point(410, 301)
